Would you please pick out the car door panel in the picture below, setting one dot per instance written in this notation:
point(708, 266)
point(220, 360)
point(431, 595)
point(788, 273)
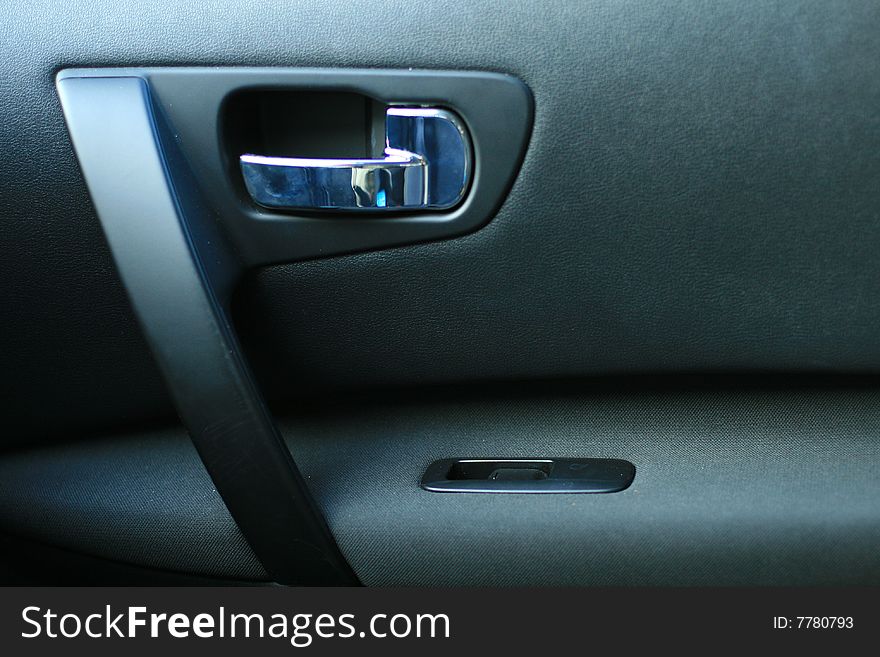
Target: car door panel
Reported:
point(681, 274)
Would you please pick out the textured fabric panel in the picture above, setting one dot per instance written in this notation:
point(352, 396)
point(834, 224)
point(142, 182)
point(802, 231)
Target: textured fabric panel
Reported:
point(731, 488)
point(144, 499)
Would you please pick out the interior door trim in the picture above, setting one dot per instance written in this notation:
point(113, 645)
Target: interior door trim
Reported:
point(178, 271)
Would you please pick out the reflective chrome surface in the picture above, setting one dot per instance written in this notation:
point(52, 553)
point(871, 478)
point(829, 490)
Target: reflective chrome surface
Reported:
point(427, 165)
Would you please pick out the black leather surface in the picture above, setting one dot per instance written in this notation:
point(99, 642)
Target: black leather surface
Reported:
point(702, 192)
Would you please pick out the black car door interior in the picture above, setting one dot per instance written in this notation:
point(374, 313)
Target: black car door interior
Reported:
point(290, 298)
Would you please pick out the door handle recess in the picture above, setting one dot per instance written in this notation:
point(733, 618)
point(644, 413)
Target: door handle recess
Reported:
point(427, 165)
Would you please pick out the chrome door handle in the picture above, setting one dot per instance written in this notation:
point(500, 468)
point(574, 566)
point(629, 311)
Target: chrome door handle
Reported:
point(427, 165)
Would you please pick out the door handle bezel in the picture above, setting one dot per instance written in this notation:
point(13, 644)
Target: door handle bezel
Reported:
point(496, 108)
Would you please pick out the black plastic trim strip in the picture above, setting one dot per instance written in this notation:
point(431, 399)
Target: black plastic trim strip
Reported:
point(178, 273)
